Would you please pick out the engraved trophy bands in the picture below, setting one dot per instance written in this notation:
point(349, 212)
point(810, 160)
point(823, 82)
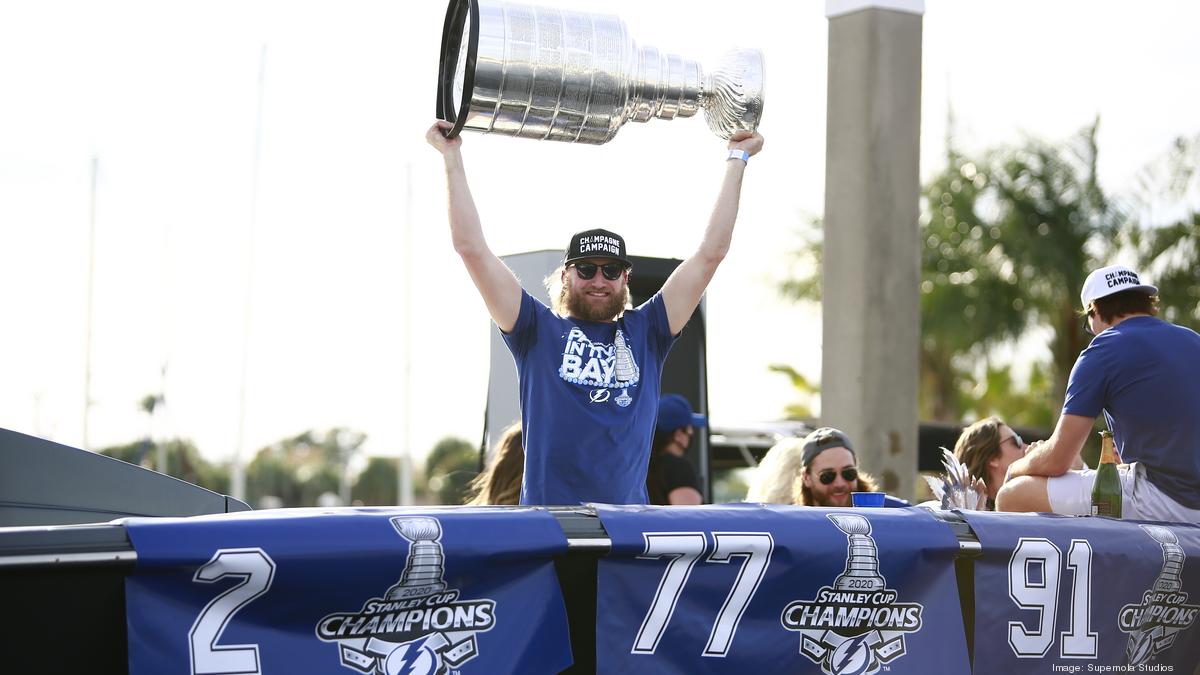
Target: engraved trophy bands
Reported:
point(539, 72)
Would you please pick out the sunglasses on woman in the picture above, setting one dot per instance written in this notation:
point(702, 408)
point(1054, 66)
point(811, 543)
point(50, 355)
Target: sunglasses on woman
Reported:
point(612, 271)
point(829, 475)
point(1015, 438)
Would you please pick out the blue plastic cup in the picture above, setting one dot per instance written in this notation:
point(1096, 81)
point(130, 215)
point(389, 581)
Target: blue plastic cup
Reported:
point(869, 499)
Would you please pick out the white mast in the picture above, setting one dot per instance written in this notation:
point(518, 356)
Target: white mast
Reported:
point(238, 479)
point(405, 489)
point(87, 339)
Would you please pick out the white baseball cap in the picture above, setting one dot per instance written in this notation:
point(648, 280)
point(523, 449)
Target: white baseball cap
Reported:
point(1105, 281)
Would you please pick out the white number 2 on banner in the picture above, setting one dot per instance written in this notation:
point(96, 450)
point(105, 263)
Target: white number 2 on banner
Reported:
point(684, 549)
point(1039, 593)
point(256, 570)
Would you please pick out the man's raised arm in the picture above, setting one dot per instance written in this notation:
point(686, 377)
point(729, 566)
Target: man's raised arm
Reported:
point(1057, 454)
point(681, 293)
point(500, 290)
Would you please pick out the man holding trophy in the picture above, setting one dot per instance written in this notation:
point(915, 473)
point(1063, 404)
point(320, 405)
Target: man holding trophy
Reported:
point(589, 371)
point(589, 377)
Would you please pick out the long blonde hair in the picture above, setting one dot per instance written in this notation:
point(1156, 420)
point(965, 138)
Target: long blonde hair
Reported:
point(774, 480)
point(500, 481)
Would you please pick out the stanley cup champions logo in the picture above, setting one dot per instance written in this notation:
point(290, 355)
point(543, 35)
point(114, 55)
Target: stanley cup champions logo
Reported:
point(855, 625)
point(418, 627)
point(1154, 623)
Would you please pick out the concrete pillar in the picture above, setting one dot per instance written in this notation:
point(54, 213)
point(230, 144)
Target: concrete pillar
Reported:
point(871, 277)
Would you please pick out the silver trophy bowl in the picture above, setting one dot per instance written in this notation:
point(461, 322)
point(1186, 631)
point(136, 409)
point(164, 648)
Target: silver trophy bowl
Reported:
point(544, 73)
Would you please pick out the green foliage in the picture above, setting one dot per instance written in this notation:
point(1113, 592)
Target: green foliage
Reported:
point(183, 462)
point(1172, 253)
point(1031, 405)
point(1057, 225)
point(1168, 252)
point(378, 483)
point(1007, 240)
point(730, 486)
point(799, 410)
point(298, 470)
point(150, 402)
point(803, 283)
point(970, 297)
point(449, 468)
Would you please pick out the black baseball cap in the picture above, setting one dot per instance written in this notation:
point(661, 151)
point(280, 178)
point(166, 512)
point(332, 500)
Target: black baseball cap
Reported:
point(597, 244)
point(821, 440)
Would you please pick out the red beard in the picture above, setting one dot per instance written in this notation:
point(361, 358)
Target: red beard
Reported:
point(580, 306)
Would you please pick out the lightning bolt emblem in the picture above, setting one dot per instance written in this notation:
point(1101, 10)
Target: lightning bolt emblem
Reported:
point(855, 645)
point(410, 656)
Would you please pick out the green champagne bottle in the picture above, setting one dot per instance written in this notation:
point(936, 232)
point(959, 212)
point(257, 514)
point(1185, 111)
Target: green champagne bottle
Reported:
point(1106, 493)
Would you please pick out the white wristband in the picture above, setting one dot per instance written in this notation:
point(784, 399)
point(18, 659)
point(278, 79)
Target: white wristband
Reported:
point(738, 154)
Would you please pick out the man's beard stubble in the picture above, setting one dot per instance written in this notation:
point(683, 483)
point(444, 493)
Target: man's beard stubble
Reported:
point(811, 498)
point(578, 306)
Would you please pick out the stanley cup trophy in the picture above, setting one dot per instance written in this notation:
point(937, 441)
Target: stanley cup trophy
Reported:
point(862, 557)
point(544, 73)
point(424, 569)
point(1152, 634)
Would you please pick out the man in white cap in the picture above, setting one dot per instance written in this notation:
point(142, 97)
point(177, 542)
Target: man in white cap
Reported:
point(1144, 375)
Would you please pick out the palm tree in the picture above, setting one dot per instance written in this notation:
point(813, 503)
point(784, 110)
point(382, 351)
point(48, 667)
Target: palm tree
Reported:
point(1006, 243)
point(1170, 254)
point(1056, 225)
point(970, 298)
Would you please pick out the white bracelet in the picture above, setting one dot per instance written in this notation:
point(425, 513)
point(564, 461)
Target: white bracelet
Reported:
point(738, 154)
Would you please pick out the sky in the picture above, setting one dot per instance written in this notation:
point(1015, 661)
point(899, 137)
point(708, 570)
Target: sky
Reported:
point(267, 235)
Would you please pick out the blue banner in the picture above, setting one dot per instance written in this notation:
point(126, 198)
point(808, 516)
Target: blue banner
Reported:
point(379, 591)
point(747, 588)
point(1081, 595)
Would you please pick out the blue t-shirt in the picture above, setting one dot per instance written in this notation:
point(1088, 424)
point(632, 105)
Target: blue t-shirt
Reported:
point(1144, 374)
point(589, 400)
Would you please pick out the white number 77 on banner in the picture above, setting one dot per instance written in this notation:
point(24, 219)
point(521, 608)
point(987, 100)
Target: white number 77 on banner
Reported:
point(683, 549)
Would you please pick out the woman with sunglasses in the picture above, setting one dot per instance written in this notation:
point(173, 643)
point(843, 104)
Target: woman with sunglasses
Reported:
point(987, 448)
point(589, 372)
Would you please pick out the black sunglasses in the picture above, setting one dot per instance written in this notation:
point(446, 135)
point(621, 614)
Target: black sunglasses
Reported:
point(1015, 438)
point(1087, 326)
point(828, 476)
point(612, 271)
